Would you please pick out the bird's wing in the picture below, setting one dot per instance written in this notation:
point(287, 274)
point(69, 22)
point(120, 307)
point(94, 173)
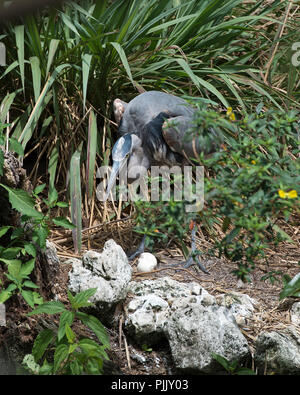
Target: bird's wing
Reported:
point(176, 134)
point(184, 137)
point(146, 106)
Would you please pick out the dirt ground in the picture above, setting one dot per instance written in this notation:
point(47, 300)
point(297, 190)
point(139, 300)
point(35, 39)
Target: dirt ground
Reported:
point(270, 314)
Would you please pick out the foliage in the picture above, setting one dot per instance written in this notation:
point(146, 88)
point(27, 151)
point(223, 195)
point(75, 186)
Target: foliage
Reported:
point(232, 368)
point(60, 62)
point(26, 240)
point(252, 183)
point(292, 288)
point(62, 352)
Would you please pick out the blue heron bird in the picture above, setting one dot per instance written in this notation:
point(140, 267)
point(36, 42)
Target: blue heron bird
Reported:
point(152, 128)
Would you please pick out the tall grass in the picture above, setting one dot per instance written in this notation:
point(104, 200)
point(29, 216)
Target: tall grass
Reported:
point(61, 63)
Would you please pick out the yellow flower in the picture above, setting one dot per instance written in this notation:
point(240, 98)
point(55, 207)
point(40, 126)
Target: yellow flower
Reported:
point(230, 114)
point(290, 195)
point(253, 162)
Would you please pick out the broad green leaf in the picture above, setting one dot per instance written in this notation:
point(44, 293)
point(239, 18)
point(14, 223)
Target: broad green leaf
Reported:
point(22, 202)
point(4, 229)
point(10, 253)
point(15, 146)
point(28, 296)
point(81, 299)
point(60, 356)
point(41, 343)
point(53, 307)
point(66, 317)
point(27, 267)
point(95, 325)
point(64, 222)
point(30, 284)
point(5, 295)
point(292, 288)
point(39, 189)
point(69, 333)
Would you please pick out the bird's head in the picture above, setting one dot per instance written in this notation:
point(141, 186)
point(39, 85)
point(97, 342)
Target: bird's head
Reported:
point(126, 151)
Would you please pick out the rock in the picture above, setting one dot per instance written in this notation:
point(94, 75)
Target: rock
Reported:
point(239, 304)
point(146, 318)
point(295, 314)
point(278, 352)
point(147, 262)
point(190, 319)
point(195, 332)
point(108, 271)
point(149, 309)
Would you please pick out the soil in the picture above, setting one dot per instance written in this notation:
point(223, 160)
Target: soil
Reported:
point(128, 358)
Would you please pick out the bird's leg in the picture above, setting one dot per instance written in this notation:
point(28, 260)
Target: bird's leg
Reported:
point(119, 108)
point(192, 258)
point(140, 249)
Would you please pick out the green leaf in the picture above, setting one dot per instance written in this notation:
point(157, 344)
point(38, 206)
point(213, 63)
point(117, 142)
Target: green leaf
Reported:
point(53, 307)
point(64, 222)
point(15, 146)
point(39, 189)
point(81, 299)
point(123, 58)
point(5, 295)
point(292, 288)
point(95, 325)
point(41, 343)
point(284, 235)
point(91, 154)
point(40, 235)
point(26, 268)
point(22, 202)
point(10, 253)
point(76, 200)
point(86, 64)
point(29, 297)
point(30, 249)
point(13, 267)
point(62, 204)
point(60, 355)
point(19, 33)
point(52, 49)
point(222, 361)
point(36, 76)
point(30, 284)
point(69, 333)
point(66, 317)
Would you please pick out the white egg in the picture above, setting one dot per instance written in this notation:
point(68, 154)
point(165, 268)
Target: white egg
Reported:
point(147, 262)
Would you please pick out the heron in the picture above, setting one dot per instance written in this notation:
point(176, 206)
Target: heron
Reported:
point(152, 129)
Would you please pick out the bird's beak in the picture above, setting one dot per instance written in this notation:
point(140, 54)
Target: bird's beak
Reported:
point(120, 154)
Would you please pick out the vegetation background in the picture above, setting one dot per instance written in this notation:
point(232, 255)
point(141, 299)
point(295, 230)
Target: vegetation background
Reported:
point(232, 59)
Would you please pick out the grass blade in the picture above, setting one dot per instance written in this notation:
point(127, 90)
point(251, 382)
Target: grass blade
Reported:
point(76, 200)
point(91, 153)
